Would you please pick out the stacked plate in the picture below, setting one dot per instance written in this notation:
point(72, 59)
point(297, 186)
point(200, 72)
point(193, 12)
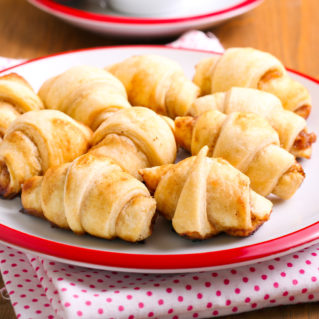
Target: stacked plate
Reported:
point(144, 18)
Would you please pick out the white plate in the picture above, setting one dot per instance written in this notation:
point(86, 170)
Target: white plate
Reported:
point(94, 15)
point(293, 224)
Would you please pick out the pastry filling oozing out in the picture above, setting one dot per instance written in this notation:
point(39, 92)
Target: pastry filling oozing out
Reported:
point(304, 140)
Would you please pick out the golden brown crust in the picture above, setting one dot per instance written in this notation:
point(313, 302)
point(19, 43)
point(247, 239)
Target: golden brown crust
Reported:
point(86, 93)
point(293, 176)
point(29, 184)
point(193, 235)
point(136, 138)
point(248, 142)
point(245, 232)
point(16, 77)
point(8, 114)
point(36, 141)
point(270, 75)
point(16, 97)
point(251, 68)
point(156, 82)
point(183, 131)
point(204, 196)
point(287, 124)
point(304, 110)
point(92, 195)
point(19, 157)
point(16, 91)
point(31, 198)
point(32, 212)
point(153, 175)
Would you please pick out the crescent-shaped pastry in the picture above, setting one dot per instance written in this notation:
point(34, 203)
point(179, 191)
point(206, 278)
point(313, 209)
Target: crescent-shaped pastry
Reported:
point(247, 67)
point(136, 138)
point(36, 141)
point(86, 93)
point(291, 128)
point(16, 97)
point(92, 195)
point(205, 196)
point(156, 82)
point(249, 143)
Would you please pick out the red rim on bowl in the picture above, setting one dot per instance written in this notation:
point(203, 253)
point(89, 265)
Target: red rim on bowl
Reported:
point(81, 14)
point(211, 259)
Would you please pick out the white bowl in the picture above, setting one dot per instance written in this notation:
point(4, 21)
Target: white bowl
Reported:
point(148, 8)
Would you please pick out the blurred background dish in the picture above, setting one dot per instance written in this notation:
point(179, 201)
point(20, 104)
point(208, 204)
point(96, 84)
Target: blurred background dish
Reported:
point(149, 8)
point(98, 16)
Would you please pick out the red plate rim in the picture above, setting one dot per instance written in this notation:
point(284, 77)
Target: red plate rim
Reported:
point(220, 258)
point(62, 9)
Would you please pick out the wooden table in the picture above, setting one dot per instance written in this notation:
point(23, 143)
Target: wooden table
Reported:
point(287, 28)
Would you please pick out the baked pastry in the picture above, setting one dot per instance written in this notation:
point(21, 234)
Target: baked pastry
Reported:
point(249, 143)
point(35, 141)
point(247, 67)
point(291, 128)
point(86, 93)
point(205, 196)
point(156, 82)
point(16, 97)
point(135, 138)
point(93, 195)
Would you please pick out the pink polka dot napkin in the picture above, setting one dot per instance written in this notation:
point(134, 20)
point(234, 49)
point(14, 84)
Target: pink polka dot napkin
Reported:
point(41, 288)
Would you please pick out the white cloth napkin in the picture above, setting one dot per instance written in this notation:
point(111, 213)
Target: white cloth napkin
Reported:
point(40, 288)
